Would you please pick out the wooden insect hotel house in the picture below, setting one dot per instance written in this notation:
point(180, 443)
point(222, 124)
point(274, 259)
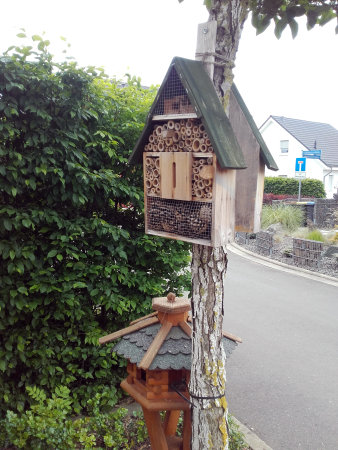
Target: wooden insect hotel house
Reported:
point(190, 156)
point(158, 349)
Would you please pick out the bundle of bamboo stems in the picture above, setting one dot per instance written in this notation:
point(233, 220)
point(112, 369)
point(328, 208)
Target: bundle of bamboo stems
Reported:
point(202, 178)
point(185, 135)
point(152, 176)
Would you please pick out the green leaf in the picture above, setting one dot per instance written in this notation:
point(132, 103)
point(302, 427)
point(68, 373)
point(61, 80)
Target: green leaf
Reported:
point(294, 28)
point(79, 284)
point(280, 27)
point(8, 224)
point(52, 253)
point(12, 254)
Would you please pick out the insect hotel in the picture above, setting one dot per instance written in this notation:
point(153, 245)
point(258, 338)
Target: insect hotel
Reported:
point(190, 157)
point(158, 349)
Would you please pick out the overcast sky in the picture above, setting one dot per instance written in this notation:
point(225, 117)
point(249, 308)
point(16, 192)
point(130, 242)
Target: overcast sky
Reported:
point(295, 78)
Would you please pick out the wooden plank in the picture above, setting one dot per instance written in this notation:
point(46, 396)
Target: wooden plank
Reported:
point(166, 171)
point(174, 116)
point(186, 328)
point(170, 422)
point(187, 429)
point(144, 317)
point(155, 430)
point(232, 337)
point(206, 45)
point(155, 346)
point(137, 326)
point(182, 176)
point(179, 238)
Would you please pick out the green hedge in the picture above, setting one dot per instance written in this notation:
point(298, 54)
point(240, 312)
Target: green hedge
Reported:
point(75, 263)
point(281, 185)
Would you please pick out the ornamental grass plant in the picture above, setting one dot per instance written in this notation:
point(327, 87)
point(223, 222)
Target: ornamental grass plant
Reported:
point(290, 217)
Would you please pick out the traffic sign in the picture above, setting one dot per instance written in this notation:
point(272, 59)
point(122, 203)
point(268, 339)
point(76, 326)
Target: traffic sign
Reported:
point(312, 154)
point(300, 164)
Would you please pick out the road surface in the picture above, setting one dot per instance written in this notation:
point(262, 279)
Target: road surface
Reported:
point(283, 378)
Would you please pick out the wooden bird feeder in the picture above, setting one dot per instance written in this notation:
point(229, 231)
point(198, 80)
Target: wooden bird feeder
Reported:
point(190, 157)
point(158, 349)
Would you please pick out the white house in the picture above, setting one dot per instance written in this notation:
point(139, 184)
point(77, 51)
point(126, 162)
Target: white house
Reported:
point(287, 138)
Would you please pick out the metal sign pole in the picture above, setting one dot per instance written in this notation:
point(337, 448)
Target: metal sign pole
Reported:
point(299, 189)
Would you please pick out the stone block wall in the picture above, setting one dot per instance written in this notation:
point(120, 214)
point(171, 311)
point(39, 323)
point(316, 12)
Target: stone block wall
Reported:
point(326, 213)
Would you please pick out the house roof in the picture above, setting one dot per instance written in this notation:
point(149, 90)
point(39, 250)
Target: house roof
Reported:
point(174, 353)
point(264, 151)
point(203, 98)
point(313, 135)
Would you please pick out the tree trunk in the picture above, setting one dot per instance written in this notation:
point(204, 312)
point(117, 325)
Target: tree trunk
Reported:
point(209, 415)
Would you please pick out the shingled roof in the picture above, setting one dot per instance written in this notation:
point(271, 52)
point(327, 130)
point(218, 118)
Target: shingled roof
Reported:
point(313, 135)
point(205, 102)
point(174, 353)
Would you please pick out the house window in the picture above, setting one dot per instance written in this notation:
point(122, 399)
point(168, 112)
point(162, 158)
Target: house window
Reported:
point(284, 146)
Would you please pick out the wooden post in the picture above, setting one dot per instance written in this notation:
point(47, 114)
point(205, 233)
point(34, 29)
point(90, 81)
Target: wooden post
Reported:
point(155, 429)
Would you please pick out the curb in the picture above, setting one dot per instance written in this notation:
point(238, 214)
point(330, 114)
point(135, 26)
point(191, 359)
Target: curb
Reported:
point(278, 265)
point(251, 438)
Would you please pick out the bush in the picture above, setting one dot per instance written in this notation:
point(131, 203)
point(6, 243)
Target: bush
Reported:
point(291, 217)
point(289, 186)
point(75, 263)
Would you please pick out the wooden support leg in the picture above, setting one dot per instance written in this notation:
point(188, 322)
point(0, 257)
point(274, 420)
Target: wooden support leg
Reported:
point(155, 430)
point(170, 422)
point(187, 430)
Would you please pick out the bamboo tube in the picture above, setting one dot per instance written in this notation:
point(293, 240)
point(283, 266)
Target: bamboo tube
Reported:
point(210, 160)
point(203, 148)
point(182, 122)
point(159, 130)
point(149, 162)
point(196, 145)
point(199, 193)
point(175, 148)
point(160, 146)
point(188, 142)
point(150, 147)
point(195, 163)
point(211, 149)
point(183, 130)
point(207, 188)
point(205, 135)
point(156, 173)
point(176, 136)
point(195, 129)
point(168, 142)
point(201, 162)
point(201, 128)
point(148, 184)
point(208, 182)
point(158, 191)
point(195, 170)
point(155, 140)
point(177, 126)
point(181, 144)
point(146, 148)
point(150, 176)
point(201, 184)
point(189, 124)
point(209, 195)
point(156, 182)
point(164, 126)
point(171, 124)
point(155, 148)
point(152, 191)
point(157, 163)
point(151, 138)
point(196, 178)
point(188, 132)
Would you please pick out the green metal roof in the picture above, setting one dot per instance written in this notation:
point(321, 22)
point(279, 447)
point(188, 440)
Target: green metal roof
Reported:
point(265, 153)
point(203, 98)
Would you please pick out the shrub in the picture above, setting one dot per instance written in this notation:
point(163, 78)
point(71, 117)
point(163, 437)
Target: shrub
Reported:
point(315, 235)
point(75, 263)
point(289, 186)
point(290, 217)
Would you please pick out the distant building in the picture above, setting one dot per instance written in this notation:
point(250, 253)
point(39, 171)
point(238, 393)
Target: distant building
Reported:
point(287, 138)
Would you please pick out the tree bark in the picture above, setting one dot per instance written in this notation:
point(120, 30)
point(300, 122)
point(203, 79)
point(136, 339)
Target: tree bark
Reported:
point(208, 377)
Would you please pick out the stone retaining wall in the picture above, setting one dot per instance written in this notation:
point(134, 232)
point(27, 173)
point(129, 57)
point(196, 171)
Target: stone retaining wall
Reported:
point(326, 213)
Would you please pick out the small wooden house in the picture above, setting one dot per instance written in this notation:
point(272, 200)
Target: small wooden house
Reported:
point(158, 348)
point(190, 158)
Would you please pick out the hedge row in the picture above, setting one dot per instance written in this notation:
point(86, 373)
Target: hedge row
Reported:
point(290, 186)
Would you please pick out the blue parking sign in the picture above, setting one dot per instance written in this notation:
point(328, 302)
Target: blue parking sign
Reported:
point(300, 164)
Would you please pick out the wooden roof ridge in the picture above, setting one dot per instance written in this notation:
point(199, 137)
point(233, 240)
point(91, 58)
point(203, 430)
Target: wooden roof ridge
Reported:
point(225, 334)
point(155, 346)
point(204, 99)
point(141, 323)
point(264, 151)
point(144, 317)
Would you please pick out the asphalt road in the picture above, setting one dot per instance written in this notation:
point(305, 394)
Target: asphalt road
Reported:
point(282, 381)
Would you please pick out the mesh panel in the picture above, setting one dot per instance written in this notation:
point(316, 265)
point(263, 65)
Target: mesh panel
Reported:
point(186, 219)
point(307, 253)
point(174, 99)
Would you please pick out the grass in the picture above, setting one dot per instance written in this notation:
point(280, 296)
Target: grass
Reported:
point(315, 235)
point(290, 217)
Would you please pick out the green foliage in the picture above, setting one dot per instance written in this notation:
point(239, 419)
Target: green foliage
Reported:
point(291, 217)
point(285, 13)
point(75, 262)
point(236, 437)
point(47, 424)
point(315, 235)
point(280, 185)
